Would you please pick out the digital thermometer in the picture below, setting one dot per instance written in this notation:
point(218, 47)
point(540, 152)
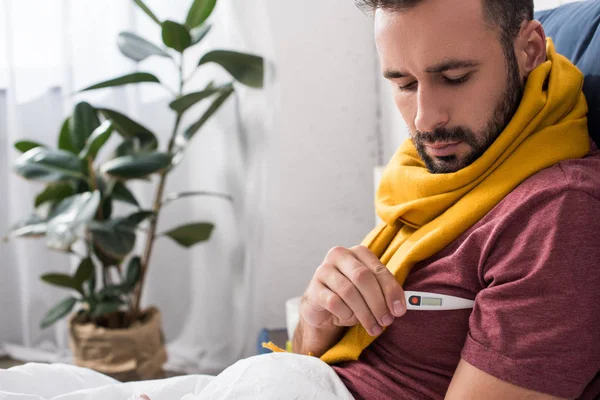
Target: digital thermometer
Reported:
point(435, 302)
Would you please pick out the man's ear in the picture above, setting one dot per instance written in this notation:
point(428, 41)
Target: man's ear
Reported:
point(530, 47)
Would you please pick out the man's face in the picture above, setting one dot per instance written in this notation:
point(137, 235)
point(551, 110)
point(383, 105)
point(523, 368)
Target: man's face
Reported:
point(453, 84)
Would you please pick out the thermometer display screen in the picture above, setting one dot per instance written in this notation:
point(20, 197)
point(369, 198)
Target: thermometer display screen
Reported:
point(430, 301)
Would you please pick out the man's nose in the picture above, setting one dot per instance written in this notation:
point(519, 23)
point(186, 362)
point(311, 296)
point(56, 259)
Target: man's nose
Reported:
point(431, 111)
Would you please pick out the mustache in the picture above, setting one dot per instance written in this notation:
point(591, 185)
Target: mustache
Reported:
point(456, 134)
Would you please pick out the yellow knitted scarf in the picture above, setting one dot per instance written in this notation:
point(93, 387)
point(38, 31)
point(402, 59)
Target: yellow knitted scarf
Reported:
point(423, 212)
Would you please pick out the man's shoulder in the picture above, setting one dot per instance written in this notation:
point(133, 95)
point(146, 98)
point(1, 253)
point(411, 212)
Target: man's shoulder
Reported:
point(577, 177)
point(569, 186)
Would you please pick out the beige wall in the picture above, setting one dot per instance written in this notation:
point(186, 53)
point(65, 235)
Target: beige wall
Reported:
point(320, 157)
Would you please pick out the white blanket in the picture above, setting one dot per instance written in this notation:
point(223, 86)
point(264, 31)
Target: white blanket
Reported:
point(269, 376)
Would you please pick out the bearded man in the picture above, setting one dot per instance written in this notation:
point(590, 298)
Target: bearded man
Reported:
point(495, 198)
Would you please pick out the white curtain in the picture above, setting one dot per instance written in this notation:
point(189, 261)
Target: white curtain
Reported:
point(50, 49)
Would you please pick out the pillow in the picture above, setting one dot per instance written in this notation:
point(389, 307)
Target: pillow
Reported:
point(575, 30)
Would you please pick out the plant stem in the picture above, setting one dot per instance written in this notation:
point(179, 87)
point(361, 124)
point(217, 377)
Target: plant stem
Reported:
point(156, 207)
point(92, 180)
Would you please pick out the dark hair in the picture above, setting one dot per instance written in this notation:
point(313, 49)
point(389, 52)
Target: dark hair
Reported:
point(506, 15)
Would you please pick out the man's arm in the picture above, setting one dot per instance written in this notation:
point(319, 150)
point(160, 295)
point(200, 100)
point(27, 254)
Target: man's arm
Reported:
point(525, 330)
point(472, 383)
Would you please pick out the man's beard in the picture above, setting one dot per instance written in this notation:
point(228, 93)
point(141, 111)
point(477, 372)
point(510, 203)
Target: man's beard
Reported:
point(503, 113)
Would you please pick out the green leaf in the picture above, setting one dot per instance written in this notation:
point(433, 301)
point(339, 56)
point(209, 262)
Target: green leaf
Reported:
point(147, 10)
point(107, 207)
point(245, 68)
point(127, 147)
point(198, 33)
point(176, 36)
point(82, 187)
point(176, 196)
point(107, 307)
point(130, 129)
point(133, 273)
point(55, 192)
point(116, 238)
point(102, 185)
point(32, 226)
point(217, 103)
point(91, 284)
point(136, 77)
point(113, 241)
point(84, 272)
point(25, 145)
point(111, 292)
point(137, 165)
point(138, 48)
point(182, 104)
point(199, 12)
point(98, 139)
point(57, 312)
point(48, 165)
point(122, 193)
point(64, 139)
point(78, 208)
point(105, 258)
point(83, 123)
point(135, 219)
point(68, 216)
point(62, 280)
point(189, 235)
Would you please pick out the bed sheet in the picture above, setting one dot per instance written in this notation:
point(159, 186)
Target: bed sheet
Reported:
point(267, 376)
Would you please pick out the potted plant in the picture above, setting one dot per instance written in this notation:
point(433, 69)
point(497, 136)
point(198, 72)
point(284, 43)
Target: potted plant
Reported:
point(108, 329)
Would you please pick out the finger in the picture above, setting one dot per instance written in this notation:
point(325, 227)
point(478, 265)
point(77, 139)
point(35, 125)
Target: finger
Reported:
point(349, 322)
point(353, 288)
point(390, 287)
point(320, 305)
point(341, 286)
point(341, 314)
point(367, 285)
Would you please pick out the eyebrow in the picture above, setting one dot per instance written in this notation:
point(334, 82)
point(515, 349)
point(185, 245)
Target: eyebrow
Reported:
point(444, 66)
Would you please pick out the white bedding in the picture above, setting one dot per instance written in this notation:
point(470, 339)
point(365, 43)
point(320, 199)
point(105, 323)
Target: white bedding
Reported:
point(269, 376)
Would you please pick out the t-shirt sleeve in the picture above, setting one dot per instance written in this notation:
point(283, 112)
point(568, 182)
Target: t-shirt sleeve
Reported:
point(537, 322)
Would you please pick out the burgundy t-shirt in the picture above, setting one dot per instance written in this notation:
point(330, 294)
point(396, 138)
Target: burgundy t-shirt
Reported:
point(532, 265)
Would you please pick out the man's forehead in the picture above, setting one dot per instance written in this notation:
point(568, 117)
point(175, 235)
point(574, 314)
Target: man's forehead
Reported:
point(432, 33)
point(457, 10)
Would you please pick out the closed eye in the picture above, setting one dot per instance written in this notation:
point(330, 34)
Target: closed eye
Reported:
point(411, 87)
point(408, 88)
point(457, 81)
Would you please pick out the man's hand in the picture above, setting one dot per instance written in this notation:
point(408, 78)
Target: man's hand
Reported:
point(351, 286)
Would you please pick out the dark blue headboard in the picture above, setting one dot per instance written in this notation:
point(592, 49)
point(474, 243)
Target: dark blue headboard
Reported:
point(575, 30)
